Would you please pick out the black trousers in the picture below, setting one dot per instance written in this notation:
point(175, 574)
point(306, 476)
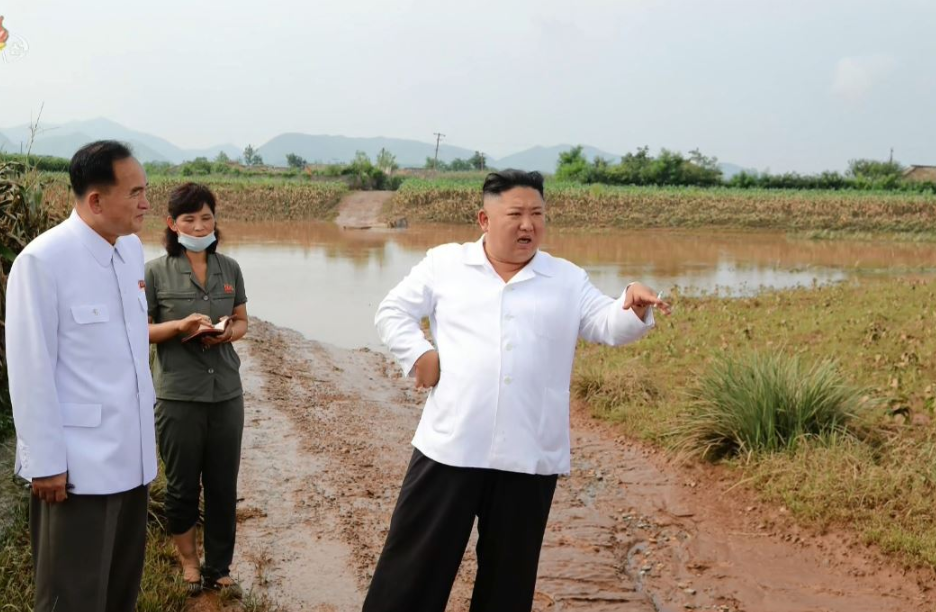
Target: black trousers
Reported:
point(430, 528)
point(88, 551)
point(200, 443)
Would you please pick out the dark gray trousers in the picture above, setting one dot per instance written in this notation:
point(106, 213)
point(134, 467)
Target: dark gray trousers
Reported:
point(200, 444)
point(88, 551)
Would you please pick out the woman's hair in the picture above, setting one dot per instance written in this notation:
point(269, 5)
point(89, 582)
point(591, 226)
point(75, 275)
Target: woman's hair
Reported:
point(184, 200)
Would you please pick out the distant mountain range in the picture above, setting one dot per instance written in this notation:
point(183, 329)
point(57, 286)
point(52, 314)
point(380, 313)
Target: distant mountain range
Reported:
point(64, 140)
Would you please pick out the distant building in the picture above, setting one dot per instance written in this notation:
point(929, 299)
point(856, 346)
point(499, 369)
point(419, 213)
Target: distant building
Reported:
point(920, 174)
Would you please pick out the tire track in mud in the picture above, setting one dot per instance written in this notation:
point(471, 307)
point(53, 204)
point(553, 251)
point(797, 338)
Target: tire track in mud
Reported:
point(326, 446)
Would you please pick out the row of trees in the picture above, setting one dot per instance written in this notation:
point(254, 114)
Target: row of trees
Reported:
point(475, 162)
point(43, 163)
point(640, 168)
point(673, 168)
point(362, 173)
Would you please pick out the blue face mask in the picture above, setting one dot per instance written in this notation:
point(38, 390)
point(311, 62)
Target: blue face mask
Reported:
point(196, 244)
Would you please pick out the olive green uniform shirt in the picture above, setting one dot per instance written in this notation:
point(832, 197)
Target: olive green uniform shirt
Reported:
point(188, 371)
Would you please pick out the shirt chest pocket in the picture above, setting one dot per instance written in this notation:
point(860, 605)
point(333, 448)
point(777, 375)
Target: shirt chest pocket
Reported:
point(222, 305)
point(176, 304)
point(90, 314)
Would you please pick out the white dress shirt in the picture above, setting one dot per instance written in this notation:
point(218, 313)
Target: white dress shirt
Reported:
point(506, 351)
point(78, 352)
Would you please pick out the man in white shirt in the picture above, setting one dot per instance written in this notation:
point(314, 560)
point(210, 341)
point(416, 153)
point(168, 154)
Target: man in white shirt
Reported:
point(494, 433)
point(78, 351)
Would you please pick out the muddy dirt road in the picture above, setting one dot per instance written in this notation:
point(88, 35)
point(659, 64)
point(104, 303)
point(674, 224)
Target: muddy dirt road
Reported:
point(326, 445)
point(361, 209)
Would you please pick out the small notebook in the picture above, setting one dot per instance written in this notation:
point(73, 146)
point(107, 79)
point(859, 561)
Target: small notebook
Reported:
point(215, 330)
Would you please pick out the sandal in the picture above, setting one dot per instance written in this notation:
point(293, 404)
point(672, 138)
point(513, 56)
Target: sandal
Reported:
point(191, 576)
point(226, 586)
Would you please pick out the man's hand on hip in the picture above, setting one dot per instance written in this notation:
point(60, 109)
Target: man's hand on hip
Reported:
point(427, 370)
point(51, 489)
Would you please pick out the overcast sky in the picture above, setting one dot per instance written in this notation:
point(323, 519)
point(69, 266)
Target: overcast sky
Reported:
point(780, 84)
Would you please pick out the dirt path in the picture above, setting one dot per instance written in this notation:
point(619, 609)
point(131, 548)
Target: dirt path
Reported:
point(326, 445)
point(361, 209)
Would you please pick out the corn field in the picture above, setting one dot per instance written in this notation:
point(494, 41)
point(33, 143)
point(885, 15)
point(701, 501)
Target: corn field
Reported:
point(576, 205)
point(241, 199)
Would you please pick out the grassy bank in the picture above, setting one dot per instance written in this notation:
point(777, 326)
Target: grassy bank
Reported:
point(240, 199)
point(574, 205)
point(881, 334)
point(162, 589)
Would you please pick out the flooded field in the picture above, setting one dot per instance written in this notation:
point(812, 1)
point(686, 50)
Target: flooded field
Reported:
point(326, 282)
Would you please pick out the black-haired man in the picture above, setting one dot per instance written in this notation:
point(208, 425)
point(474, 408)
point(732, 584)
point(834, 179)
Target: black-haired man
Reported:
point(494, 434)
point(78, 352)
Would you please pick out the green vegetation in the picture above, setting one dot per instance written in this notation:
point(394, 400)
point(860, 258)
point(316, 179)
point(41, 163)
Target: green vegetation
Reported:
point(251, 157)
point(476, 162)
point(671, 168)
point(765, 402)
point(161, 590)
point(42, 163)
point(880, 480)
point(201, 167)
point(576, 205)
point(295, 161)
point(640, 168)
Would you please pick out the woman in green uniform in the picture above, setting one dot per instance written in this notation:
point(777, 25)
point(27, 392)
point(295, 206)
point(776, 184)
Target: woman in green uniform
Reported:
point(200, 402)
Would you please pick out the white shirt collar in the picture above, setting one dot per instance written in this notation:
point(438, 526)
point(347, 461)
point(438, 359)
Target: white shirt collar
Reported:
point(101, 249)
point(475, 256)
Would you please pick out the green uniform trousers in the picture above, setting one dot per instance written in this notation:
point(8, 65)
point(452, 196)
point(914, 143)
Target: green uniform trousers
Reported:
point(88, 551)
point(200, 445)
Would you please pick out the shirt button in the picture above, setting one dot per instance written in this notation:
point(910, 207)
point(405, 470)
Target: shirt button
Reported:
point(205, 298)
point(507, 380)
point(211, 370)
point(510, 288)
point(509, 317)
point(509, 347)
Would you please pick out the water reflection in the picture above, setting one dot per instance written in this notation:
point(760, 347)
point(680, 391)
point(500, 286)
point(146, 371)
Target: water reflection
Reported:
point(326, 282)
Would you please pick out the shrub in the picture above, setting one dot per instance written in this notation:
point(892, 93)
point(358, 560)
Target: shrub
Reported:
point(761, 403)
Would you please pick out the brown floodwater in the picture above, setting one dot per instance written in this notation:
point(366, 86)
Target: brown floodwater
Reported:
point(326, 282)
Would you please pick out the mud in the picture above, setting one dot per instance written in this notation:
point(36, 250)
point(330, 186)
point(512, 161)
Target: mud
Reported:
point(361, 209)
point(326, 445)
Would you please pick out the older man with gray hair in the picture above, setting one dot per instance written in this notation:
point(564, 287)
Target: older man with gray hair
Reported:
point(78, 352)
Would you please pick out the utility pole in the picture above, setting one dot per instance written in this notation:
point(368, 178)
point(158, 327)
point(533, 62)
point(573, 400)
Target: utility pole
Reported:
point(891, 160)
point(435, 162)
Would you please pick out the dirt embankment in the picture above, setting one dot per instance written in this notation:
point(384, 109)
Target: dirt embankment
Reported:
point(326, 446)
point(361, 209)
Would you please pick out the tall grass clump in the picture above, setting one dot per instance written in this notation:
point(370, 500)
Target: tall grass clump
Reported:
point(759, 403)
